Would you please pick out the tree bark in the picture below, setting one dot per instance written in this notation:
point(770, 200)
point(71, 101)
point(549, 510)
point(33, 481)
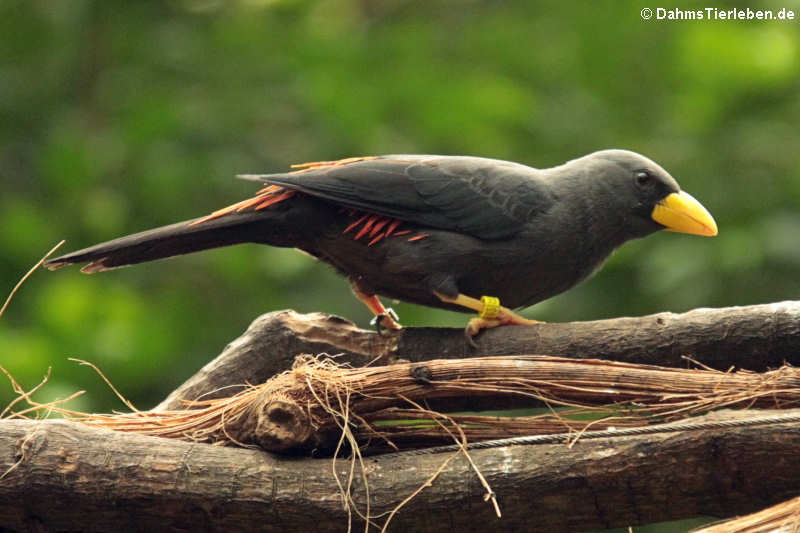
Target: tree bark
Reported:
point(755, 337)
point(64, 476)
point(72, 477)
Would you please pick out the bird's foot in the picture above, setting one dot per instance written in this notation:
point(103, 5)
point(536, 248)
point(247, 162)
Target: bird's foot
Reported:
point(504, 317)
point(507, 317)
point(475, 325)
point(388, 320)
point(492, 315)
point(385, 317)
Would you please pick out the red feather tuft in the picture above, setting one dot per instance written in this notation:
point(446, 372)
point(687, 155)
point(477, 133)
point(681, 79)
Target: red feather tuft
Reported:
point(354, 224)
point(367, 225)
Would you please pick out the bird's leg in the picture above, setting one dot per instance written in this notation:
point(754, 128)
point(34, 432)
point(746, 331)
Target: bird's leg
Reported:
point(490, 313)
point(384, 317)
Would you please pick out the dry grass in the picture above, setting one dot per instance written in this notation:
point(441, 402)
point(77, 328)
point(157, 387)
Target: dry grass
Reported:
point(27, 275)
point(373, 408)
point(324, 406)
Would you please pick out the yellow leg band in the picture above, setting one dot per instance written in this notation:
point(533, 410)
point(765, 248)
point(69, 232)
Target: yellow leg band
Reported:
point(491, 307)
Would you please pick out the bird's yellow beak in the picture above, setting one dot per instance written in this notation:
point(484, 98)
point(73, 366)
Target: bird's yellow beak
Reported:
point(681, 213)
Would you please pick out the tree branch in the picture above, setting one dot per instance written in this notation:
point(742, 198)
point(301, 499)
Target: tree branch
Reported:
point(755, 337)
point(63, 475)
point(72, 477)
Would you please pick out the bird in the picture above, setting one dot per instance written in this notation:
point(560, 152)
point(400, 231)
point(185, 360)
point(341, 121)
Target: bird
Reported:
point(463, 233)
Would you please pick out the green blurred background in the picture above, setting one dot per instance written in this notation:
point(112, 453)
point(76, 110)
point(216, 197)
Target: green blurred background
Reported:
point(119, 116)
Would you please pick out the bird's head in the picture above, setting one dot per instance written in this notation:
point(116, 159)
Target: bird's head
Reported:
point(646, 197)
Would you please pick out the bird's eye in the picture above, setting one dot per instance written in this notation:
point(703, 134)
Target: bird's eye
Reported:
point(643, 178)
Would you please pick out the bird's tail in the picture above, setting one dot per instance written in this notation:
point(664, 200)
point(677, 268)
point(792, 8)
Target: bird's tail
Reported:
point(175, 239)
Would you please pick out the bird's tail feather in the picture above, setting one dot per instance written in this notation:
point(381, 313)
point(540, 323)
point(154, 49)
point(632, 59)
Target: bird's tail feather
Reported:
point(167, 241)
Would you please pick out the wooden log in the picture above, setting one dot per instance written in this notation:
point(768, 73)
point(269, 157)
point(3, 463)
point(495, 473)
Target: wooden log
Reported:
point(62, 475)
point(756, 337)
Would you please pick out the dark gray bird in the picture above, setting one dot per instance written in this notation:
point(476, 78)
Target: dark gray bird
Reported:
point(443, 231)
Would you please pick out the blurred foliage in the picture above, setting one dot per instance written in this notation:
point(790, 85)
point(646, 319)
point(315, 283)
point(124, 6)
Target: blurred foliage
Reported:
point(119, 116)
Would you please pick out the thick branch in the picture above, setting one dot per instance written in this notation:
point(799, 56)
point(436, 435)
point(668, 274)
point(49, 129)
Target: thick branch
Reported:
point(269, 347)
point(72, 477)
point(754, 337)
point(303, 409)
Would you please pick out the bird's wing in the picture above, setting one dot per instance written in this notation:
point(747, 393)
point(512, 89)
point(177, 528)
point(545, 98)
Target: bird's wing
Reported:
point(485, 198)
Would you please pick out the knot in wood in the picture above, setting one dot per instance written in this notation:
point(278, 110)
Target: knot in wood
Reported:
point(282, 425)
point(422, 374)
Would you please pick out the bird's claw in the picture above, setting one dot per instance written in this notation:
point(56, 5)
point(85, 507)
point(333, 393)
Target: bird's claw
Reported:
point(387, 320)
point(475, 325)
point(504, 318)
